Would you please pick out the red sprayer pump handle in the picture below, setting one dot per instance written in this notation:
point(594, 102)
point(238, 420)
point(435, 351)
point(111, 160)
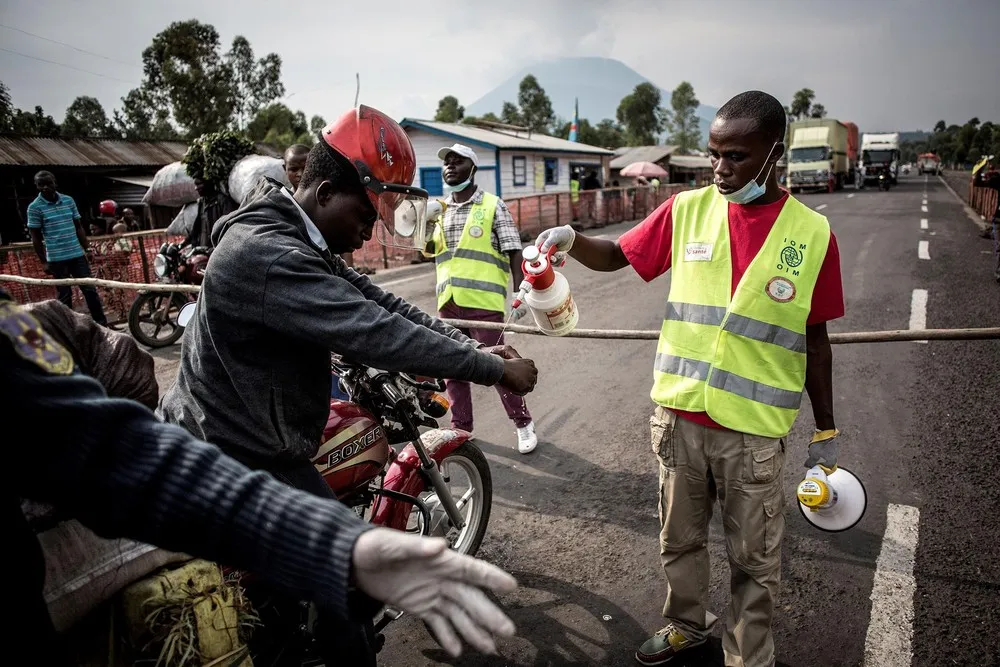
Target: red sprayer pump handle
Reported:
point(537, 269)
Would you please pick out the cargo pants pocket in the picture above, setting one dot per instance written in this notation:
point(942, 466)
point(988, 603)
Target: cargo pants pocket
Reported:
point(763, 459)
point(661, 429)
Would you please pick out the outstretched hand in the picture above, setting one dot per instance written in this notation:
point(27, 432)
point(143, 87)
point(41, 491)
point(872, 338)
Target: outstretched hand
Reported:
point(421, 576)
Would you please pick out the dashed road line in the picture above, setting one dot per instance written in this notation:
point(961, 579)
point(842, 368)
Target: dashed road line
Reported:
point(918, 311)
point(821, 207)
point(889, 641)
point(924, 250)
point(923, 223)
point(850, 195)
point(924, 202)
point(923, 209)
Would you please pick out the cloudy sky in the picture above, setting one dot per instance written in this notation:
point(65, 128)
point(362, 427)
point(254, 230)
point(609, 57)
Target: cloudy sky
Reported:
point(882, 63)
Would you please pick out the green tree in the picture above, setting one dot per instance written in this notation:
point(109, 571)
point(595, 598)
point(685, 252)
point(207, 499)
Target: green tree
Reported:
point(683, 120)
point(535, 106)
point(641, 115)
point(802, 103)
point(256, 83)
point(610, 134)
point(278, 126)
point(185, 71)
point(449, 110)
point(817, 111)
point(940, 126)
point(85, 117)
point(38, 123)
point(510, 114)
point(144, 116)
point(316, 124)
point(6, 109)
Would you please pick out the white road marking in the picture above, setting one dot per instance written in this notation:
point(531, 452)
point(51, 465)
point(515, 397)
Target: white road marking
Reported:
point(923, 209)
point(924, 202)
point(821, 207)
point(923, 223)
point(400, 281)
point(924, 250)
point(850, 195)
point(888, 642)
point(918, 311)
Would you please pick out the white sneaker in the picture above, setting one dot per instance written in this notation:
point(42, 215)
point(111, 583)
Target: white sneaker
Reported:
point(526, 439)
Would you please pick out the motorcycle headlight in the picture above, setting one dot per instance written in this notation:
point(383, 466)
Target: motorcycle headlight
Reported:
point(160, 265)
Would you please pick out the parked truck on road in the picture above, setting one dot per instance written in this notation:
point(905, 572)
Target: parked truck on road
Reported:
point(880, 153)
point(822, 154)
point(929, 163)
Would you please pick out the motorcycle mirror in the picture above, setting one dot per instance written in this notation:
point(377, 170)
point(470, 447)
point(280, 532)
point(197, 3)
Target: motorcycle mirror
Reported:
point(187, 312)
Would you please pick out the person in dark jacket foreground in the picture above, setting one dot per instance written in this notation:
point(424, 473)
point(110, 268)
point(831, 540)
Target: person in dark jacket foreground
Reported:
point(122, 473)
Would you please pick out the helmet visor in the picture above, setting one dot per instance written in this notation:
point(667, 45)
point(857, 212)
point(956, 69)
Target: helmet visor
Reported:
point(402, 212)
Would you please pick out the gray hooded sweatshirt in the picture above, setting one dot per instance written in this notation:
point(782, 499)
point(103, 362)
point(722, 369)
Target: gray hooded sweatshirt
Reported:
point(254, 376)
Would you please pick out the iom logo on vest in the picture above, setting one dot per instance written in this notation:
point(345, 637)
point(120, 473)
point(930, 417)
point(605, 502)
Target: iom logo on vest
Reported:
point(780, 288)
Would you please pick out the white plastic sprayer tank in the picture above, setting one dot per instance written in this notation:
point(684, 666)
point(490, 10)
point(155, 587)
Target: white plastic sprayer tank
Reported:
point(549, 298)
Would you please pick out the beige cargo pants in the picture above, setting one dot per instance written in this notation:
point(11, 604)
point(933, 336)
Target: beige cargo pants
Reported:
point(697, 465)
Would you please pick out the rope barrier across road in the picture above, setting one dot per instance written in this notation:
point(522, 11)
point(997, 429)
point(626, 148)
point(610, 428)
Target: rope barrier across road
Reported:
point(895, 336)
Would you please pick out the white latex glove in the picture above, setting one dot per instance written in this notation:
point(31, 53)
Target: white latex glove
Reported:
point(560, 237)
point(421, 576)
point(518, 313)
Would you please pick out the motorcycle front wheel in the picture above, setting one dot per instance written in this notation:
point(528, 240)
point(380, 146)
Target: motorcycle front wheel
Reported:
point(152, 319)
point(468, 476)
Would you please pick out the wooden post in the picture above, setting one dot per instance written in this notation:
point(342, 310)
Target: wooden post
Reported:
point(145, 261)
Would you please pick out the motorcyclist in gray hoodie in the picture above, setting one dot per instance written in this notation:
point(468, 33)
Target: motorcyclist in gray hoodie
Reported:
point(254, 376)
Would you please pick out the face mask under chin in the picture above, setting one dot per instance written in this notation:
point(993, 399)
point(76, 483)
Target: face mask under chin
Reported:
point(752, 190)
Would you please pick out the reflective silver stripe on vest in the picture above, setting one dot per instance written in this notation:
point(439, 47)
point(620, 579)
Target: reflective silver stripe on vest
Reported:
point(689, 368)
point(765, 333)
point(477, 255)
point(695, 313)
point(755, 391)
point(465, 283)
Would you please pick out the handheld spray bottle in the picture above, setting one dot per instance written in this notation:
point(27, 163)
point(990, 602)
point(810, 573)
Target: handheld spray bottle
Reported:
point(547, 293)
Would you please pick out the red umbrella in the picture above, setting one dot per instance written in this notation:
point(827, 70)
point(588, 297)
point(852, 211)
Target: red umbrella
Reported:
point(644, 169)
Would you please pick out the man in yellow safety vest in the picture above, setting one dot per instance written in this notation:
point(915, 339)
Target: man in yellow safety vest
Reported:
point(477, 249)
point(755, 276)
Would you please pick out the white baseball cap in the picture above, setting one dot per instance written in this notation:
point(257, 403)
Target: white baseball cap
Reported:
point(459, 149)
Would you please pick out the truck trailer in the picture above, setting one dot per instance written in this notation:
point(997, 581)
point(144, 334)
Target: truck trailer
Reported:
point(822, 154)
point(929, 163)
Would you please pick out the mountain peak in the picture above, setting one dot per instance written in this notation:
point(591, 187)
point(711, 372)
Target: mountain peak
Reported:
point(599, 84)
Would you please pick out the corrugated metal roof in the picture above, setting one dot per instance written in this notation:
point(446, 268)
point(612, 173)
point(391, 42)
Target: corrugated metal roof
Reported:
point(633, 154)
point(28, 151)
point(691, 162)
point(55, 152)
point(498, 139)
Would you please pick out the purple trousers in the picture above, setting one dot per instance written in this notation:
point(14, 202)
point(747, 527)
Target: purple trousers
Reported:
point(459, 393)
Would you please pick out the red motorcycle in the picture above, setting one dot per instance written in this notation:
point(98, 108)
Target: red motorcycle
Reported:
point(412, 486)
point(382, 454)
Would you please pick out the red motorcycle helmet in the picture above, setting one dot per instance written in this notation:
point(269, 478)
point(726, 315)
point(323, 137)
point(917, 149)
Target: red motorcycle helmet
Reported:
point(108, 207)
point(383, 156)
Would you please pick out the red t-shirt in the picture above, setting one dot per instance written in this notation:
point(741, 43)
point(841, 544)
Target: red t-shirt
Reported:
point(648, 245)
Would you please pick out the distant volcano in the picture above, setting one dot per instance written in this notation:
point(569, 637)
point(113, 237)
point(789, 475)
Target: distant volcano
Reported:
point(599, 83)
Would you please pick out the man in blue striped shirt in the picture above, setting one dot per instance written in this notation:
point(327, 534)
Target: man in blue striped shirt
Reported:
point(59, 240)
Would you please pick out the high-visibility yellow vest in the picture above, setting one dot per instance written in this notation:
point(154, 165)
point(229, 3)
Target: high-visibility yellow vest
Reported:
point(473, 275)
point(574, 190)
point(741, 359)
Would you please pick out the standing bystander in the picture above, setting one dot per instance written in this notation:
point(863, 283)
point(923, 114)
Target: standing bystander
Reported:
point(477, 249)
point(57, 235)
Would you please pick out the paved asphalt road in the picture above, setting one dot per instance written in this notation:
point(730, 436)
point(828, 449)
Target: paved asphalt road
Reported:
point(576, 520)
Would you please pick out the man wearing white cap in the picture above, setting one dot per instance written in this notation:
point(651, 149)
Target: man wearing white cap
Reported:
point(477, 249)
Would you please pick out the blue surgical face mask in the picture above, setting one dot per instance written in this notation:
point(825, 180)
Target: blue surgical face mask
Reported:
point(752, 190)
point(449, 189)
